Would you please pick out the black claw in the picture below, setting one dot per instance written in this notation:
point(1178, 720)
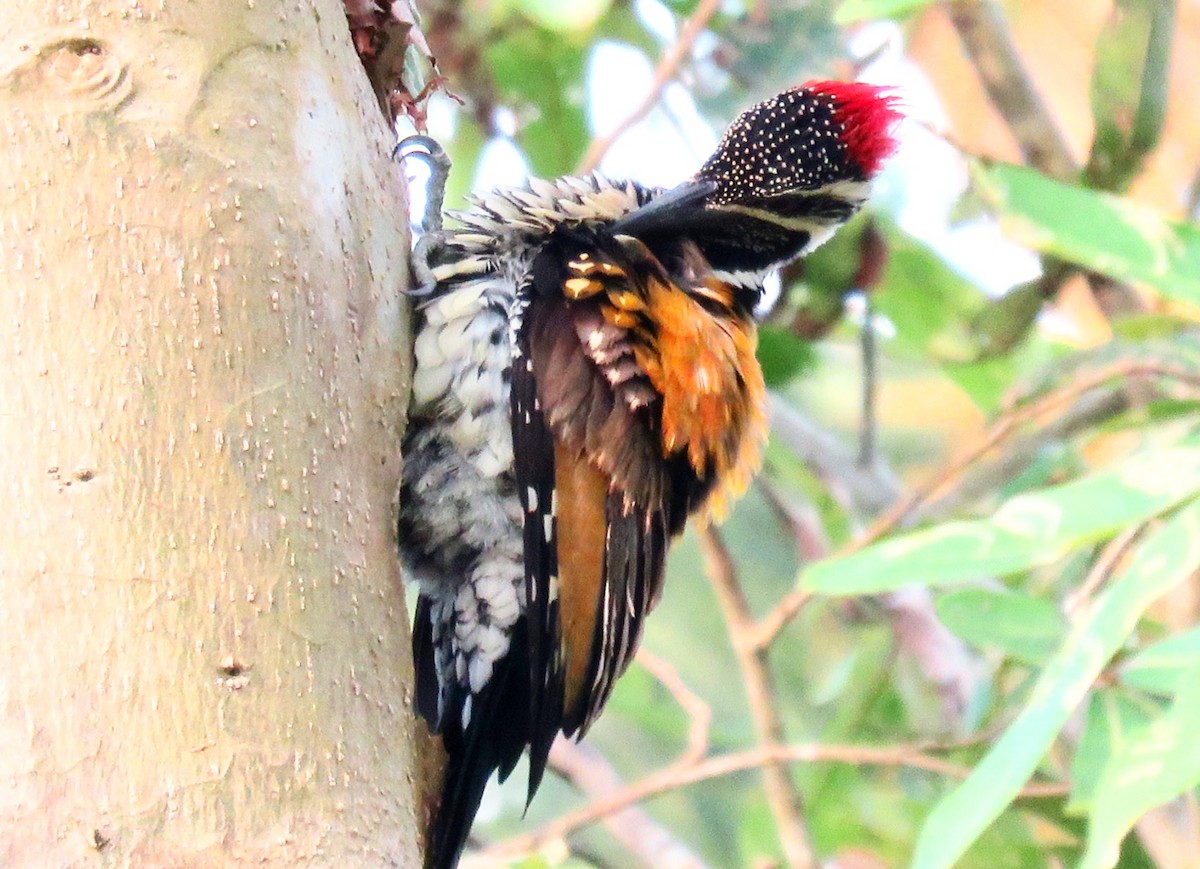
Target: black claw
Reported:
point(421, 291)
point(427, 150)
point(424, 281)
point(416, 144)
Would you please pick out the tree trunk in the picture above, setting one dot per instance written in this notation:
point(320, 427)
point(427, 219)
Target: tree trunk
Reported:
point(203, 372)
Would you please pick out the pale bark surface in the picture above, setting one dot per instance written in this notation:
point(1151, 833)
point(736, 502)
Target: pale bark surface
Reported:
point(203, 372)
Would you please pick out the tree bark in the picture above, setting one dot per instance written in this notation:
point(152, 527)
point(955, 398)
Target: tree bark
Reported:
point(203, 374)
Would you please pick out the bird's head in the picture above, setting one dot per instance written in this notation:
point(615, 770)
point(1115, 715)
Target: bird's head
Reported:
point(786, 174)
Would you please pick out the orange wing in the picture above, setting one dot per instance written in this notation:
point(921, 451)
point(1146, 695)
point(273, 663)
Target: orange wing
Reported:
point(649, 402)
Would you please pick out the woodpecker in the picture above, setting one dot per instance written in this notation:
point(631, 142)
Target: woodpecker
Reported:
point(584, 381)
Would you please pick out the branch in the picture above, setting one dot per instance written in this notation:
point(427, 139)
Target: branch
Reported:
point(930, 644)
point(871, 489)
point(675, 776)
point(783, 797)
point(1012, 422)
point(1104, 567)
point(827, 456)
point(590, 773)
point(587, 770)
point(943, 658)
point(666, 70)
point(984, 31)
point(1090, 410)
point(985, 34)
point(698, 712)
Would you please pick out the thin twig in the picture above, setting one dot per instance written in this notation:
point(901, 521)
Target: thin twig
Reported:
point(668, 66)
point(871, 488)
point(800, 517)
point(1103, 568)
point(782, 795)
point(1010, 423)
point(780, 616)
point(945, 480)
point(674, 777)
point(698, 712)
point(1089, 411)
point(590, 773)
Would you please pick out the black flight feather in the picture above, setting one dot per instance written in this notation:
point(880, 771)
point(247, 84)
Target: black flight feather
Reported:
point(425, 665)
point(533, 450)
point(492, 741)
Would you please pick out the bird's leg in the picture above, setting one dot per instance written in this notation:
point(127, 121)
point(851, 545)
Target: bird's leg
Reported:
point(429, 152)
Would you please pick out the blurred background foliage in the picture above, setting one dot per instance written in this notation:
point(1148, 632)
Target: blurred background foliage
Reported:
point(969, 569)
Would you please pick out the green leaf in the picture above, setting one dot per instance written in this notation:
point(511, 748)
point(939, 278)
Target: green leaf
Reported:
point(929, 303)
point(1005, 323)
point(1104, 233)
point(1022, 627)
point(682, 7)
point(1112, 717)
point(757, 836)
point(1030, 530)
point(621, 24)
point(535, 862)
point(783, 356)
point(1149, 326)
point(853, 11)
point(985, 382)
point(569, 17)
point(941, 555)
point(1129, 90)
point(540, 74)
point(1158, 669)
point(1050, 465)
point(1164, 558)
point(1153, 766)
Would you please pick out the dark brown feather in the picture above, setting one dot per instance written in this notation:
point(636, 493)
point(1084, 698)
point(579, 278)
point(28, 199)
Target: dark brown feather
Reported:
point(643, 433)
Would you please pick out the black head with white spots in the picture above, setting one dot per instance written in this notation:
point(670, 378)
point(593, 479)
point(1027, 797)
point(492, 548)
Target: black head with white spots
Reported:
point(803, 139)
point(786, 174)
